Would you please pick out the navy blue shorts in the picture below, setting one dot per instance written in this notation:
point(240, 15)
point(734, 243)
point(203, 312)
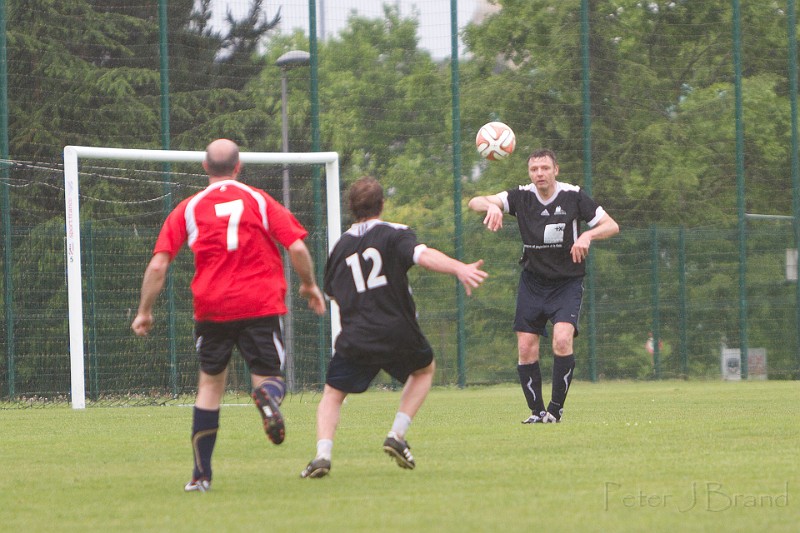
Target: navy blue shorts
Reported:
point(349, 375)
point(259, 341)
point(540, 301)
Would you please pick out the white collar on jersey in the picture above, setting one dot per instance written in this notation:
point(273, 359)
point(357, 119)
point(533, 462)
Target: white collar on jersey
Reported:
point(560, 186)
point(360, 228)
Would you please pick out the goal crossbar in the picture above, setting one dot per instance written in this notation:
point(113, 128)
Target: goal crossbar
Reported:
point(72, 157)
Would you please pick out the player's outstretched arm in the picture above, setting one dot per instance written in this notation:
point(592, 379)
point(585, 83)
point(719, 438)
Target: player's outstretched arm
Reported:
point(470, 275)
point(492, 206)
point(153, 282)
point(304, 266)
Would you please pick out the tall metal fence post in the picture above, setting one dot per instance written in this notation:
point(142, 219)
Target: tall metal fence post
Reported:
point(167, 168)
point(587, 181)
point(8, 264)
point(792, 31)
point(455, 96)
point(740, 203)
point(320, 253)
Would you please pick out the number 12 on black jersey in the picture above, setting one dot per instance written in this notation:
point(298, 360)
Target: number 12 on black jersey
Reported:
point(375, 279)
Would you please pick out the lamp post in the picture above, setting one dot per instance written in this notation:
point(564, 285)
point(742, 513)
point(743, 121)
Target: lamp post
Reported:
point(291, 59)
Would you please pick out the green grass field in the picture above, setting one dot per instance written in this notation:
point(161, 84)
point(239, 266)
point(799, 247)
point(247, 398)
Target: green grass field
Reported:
point(655, 456)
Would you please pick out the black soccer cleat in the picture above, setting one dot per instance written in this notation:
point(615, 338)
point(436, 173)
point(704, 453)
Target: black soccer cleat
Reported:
point(399, 449)
point(317, 468)
point(270, 414)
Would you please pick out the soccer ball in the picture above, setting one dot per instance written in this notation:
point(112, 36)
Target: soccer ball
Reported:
point(495, 141)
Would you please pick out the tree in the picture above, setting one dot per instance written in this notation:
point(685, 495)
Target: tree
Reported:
point(661, 80)
point(95, 80)
point(382, 94)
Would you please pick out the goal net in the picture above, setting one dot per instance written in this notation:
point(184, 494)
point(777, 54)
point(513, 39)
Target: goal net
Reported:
point(116, 200)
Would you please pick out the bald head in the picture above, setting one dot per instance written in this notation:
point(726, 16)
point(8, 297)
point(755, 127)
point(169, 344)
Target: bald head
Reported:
point(222, 159)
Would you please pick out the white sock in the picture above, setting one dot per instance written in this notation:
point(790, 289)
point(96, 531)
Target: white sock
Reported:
point(401, 423)
point(324, 449)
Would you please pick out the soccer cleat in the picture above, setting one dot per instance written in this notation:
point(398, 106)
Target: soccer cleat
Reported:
point(317, 468)
point(535, 419)
point(399, 449)
point(549, 418)
point(270, 414)
point(198, 485)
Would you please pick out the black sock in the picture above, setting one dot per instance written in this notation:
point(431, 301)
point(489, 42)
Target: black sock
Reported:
point(563, 367)
point(204, 436)
point(530, 378)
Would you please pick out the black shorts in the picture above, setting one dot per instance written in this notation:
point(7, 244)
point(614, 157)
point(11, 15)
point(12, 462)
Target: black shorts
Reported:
point(350, 375)
point(259, 341)
point(541, 300)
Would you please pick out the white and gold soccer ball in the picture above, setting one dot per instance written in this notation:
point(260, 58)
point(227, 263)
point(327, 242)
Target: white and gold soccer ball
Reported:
point(495, 141)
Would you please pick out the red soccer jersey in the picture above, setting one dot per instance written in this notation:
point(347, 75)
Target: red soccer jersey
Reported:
point(231, 229)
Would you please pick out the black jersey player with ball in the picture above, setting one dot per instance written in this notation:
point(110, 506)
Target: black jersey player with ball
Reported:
point(554, 249)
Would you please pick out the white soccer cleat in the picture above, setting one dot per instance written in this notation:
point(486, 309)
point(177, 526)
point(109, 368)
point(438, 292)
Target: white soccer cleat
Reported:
point(535, 419)
point(548, 418)
point(198, 485)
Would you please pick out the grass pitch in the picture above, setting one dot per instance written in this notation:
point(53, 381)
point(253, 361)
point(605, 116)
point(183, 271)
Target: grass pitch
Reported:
point(656, 456)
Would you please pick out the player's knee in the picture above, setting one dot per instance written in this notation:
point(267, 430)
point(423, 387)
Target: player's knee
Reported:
point(528, 354)
point(562, 345)
point(528, 346)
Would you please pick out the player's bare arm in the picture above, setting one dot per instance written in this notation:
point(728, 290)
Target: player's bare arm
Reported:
point(153, 282)
point(470, 275)
point(493, 207)
point(304, 266)
point(604, 229)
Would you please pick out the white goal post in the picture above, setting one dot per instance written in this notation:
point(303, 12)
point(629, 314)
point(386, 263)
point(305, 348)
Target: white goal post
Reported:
point(72, 157)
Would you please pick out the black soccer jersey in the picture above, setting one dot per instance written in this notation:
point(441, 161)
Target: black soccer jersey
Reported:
point(366, 274)
point(549, 229)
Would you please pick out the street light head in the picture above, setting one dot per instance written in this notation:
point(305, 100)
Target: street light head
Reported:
point(293, 58)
